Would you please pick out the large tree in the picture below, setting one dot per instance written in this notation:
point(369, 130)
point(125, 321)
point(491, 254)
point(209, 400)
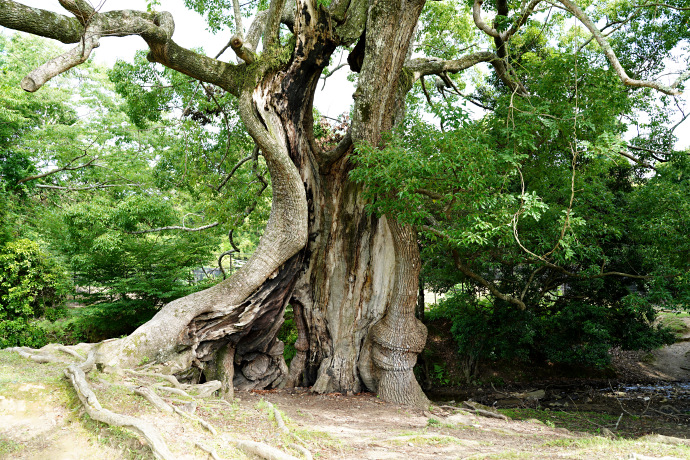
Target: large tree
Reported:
point(352, 277)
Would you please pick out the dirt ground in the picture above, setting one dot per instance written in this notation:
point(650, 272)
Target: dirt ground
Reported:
point(672, 362)
point(41, 418)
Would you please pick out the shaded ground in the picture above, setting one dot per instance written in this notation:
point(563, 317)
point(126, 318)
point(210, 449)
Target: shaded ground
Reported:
point(40, 418)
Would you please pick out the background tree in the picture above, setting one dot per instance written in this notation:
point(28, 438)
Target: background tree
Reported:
point(351, 276)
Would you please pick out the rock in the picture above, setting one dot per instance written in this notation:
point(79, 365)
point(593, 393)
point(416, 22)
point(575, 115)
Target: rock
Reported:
point(605, 432)
point(535, 395)
point(459, 419)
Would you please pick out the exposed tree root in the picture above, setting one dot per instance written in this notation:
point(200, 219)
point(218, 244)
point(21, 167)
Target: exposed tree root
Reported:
point(211, 451)
point(282, 427)
point(76, 373)
point(155, 400)
point(278, 418)
point(201, 421)
point(170, 378)
point(485, 413)
point(97, 412)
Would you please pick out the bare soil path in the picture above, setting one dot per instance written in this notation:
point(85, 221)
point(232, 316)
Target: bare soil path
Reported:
point(41, 418)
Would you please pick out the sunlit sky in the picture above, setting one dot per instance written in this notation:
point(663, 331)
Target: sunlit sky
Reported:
point(190, 32)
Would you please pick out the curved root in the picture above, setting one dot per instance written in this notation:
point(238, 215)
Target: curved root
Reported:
point(88, 398)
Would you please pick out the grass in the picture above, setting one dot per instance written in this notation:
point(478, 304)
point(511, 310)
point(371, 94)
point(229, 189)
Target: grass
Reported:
point(8, 446)
point(674, 322)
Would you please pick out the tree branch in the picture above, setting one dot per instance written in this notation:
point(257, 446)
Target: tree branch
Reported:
point(40, 22)
point(487, 284)
point(432, 66)
point(237, 166)
point(81, 189)
point(68, 167)
point(613, 59)
point(175, 227)
point(155, 28)
point(636, 160)
point(273, 19)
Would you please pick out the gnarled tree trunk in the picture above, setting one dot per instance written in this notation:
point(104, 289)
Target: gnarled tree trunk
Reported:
point(351, 276)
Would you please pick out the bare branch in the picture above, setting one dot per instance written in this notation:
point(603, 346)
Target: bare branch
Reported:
point(273, 19)
point(155, 28)
point(68, 167)
point(479, 22)
point(175, 227)
point(81, 189)
point(329, 157)
point(40, 22)
point(613, 59)
point(237, 166)
point(237, 12)
point(522, 19)
point(77, 55)
point(432, 66)
point(241, 50)
point(636, 160)
point(82, 10)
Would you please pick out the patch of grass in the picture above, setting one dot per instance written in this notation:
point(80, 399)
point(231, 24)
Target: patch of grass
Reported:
point(506, 455)
point(318, 439)
point(433, 422)
point(118, 438)
point(16, 369)
point(8, 446)
point(674, 322)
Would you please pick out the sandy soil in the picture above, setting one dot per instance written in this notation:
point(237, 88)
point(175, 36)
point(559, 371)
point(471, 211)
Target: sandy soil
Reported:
point(40, 418)
point(671, 363)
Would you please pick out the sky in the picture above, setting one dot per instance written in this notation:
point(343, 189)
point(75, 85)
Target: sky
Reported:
point(190, 32)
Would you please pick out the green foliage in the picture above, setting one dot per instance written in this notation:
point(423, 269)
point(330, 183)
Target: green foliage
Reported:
point(30, 282)
point(288, 334)
point(22, 333)
point(31, 285)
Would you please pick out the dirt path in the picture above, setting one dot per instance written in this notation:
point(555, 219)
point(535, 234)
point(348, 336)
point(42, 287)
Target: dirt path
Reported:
point(40, 418)
point(670, 363)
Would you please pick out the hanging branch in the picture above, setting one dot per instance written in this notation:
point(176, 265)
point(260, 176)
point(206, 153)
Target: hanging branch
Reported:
point(68, 167)
point(236, 167)
point(613, 59)
point(81, 189)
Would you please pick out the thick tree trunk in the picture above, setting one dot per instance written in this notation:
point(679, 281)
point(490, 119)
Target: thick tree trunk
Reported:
point(352, 277)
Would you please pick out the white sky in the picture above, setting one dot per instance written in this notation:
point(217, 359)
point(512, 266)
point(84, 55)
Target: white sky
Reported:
point(190, 32)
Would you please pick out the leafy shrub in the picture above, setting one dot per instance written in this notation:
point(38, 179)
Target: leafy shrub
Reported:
point(31, 285)
point(288, 334)
point(21, 333)
point(483, 330)
point(30, 282)
point(576, 333)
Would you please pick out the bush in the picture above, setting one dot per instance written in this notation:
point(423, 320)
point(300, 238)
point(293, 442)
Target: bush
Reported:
point(483, 330)
point(21, 333)
point(572, 332)
point(31, 285)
